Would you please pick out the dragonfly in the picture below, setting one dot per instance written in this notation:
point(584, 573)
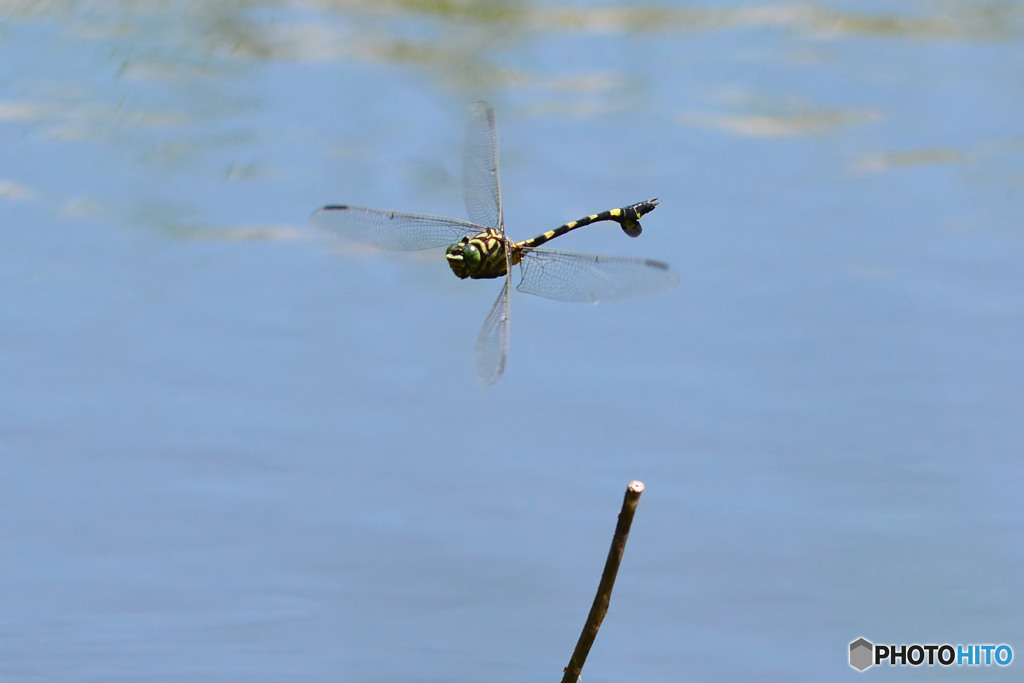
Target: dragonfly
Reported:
point(478, 248)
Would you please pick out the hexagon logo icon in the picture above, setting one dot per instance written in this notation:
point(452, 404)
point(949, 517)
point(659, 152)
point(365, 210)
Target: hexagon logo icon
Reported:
point(861, 654)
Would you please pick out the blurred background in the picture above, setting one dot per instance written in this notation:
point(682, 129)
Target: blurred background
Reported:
point(232, 449)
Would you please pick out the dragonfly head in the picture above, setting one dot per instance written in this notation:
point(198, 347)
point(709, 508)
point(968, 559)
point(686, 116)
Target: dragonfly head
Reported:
point(463, 257)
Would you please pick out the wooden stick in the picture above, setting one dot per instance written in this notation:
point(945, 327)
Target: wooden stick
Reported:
point(604, 589)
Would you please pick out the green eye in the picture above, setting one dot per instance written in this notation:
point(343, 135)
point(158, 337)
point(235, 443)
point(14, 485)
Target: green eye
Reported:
point(471, 255)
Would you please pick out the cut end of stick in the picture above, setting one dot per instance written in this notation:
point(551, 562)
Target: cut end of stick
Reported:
point(604, 590)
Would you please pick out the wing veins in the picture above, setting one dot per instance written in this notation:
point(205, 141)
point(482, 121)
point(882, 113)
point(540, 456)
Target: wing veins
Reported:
point(394, 230)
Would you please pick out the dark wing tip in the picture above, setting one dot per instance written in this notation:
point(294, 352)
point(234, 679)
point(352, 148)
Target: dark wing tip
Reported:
point(329, 207)
point(672, 273)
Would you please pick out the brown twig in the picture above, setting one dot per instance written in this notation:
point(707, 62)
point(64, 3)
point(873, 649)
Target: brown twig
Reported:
point(604, 589)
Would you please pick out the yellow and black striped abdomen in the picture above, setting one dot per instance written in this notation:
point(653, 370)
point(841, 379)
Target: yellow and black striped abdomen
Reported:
point(628, 217)
point(481, 256)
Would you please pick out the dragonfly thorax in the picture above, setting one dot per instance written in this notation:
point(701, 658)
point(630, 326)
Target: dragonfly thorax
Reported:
point(480, 256)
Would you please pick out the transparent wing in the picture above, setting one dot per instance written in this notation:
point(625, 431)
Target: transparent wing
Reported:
point(492, 342)
point(480, 172)
point(572, 276)
point(392, 229)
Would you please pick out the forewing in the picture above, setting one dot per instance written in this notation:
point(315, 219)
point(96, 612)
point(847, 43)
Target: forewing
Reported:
point(492, 342)
point(480, 172)
point(392, 229)
point(572, 276)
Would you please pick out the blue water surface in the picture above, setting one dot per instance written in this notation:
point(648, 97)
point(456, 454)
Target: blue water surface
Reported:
point(232, 449)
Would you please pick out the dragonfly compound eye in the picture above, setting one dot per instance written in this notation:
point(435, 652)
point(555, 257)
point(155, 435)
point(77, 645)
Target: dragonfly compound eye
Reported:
point(463, 258)
point(471, 255)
